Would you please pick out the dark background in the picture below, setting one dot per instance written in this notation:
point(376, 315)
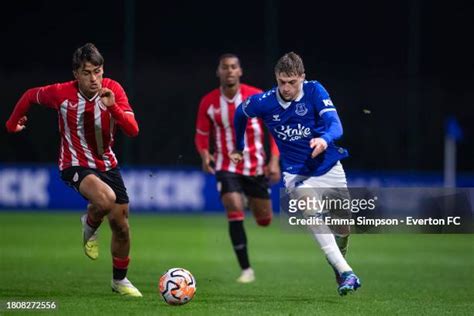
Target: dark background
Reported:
point(408, 62)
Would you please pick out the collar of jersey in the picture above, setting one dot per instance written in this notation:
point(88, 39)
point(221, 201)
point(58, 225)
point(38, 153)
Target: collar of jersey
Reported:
point(230, 100)
point(84, 96)
point(285, 104)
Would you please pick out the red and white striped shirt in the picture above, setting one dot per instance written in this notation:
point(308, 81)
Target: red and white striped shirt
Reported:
point(216, 118)
point(87, 126)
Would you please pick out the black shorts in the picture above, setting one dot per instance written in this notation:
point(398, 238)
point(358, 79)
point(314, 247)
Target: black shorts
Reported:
point(253, 186)
point(73, 177)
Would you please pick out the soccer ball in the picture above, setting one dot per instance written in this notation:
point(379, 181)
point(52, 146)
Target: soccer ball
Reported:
point(177, 286)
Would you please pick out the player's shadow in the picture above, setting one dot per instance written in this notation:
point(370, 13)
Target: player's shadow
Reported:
point(258, 298)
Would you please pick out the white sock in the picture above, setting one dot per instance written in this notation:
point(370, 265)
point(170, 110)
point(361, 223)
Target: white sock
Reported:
point(329, 246)
point(88, 230)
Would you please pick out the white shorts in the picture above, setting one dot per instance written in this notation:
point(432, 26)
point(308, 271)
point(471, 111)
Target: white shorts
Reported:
point(311, 186)
point(334, 178)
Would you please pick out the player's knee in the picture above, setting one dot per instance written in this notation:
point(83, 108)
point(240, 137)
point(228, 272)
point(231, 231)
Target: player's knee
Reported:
point(105, 201)
point(264, 220)
point(235, 215)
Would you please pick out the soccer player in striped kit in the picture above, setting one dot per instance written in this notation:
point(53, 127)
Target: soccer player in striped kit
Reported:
point(216, 119)
point(304, 121)
point(90, 109)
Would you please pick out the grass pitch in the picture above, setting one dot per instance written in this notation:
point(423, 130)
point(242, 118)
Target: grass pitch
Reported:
point(41, 259)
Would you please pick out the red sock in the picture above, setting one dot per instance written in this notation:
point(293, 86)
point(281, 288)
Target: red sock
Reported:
point(120, 267)
point(92, 223)
point(120, 263)
point(235, 215)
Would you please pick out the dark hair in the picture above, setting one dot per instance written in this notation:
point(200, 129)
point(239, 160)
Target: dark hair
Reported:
point(87, 53)
point(228, 55)
point(290, 64)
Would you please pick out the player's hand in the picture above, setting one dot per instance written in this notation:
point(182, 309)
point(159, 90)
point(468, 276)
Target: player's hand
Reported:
point(107, 97)
point(18, 127)
point(319, 145)
point(236, 156)
point(272, 170)
point(208, 163)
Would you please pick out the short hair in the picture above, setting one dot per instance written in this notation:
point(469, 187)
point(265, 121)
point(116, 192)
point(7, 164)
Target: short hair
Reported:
point(228, 55)
point(290, 64)
point(87, 53)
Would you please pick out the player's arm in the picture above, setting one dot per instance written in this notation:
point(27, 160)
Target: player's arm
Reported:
point(333, 127)
point(333, 132)
point(201, 138)
point(117, 104)
point(272, 170)
point(41, 95)
point(243, 112)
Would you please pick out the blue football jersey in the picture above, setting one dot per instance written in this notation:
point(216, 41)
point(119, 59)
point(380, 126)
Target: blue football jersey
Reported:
point(293, 124)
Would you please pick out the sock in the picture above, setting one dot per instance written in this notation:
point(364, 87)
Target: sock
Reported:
point(239, 242)
point(120, 267)
point(327, 242)
point(92, 224)
point(342, 244)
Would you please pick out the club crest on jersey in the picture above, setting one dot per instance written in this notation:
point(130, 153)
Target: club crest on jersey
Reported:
point(301, 109)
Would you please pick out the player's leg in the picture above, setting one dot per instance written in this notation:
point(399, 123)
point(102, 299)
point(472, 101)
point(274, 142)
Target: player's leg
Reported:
point(322, 233)
point(230, 188)
point(120, 241)
point(345, 277)
point(257, 191)
point(336, 179)
point(261, 210)
point(86, 181)
point(101, 200)
point(120, 248)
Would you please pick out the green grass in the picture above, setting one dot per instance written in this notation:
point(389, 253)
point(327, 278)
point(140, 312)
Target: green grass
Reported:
point(41, 259)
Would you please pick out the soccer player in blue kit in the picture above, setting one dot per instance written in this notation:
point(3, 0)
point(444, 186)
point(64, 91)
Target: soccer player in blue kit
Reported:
point(304, 123)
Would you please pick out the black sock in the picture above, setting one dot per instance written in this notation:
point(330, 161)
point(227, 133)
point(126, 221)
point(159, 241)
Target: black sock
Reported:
point(239, 242)
point(119, 274)
point(120, 267)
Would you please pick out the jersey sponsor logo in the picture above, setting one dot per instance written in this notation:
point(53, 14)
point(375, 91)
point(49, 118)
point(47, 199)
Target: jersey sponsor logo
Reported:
point(292, 134)
point(328, 102)
point(301, 109)
point(276, 117)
